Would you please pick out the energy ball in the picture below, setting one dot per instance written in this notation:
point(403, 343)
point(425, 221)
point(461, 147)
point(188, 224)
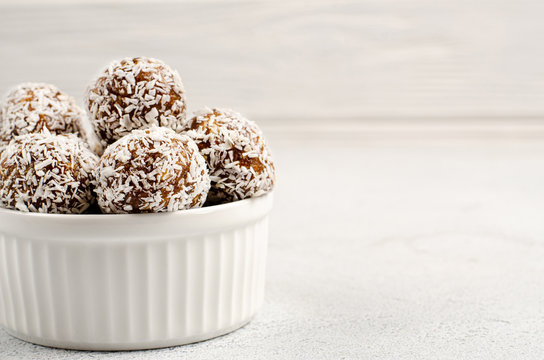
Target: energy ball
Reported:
point(32, 107)
point(151, 170)
point(48, 173)
point(135, 93)
point(238, 158)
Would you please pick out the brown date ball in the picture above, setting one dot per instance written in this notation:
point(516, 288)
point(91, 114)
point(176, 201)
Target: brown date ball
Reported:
point(48, 173)
point(135, 93)
point(151, 170)
point(238, 158)
point(32, 107)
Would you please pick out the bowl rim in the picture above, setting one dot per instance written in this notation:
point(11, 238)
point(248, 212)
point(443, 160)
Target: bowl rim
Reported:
point(135, 226)
point(185, 212)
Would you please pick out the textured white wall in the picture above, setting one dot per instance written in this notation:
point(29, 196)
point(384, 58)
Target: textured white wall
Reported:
point(301, 59)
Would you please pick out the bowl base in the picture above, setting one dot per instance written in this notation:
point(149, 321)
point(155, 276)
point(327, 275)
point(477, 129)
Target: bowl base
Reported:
point(125, 346)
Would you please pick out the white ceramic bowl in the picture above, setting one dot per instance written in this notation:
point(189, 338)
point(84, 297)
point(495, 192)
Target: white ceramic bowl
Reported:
point(139, 281)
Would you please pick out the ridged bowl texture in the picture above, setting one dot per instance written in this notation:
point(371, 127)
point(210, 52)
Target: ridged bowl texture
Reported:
point(138, 281)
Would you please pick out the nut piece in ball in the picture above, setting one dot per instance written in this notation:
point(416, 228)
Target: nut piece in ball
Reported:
point(135, 93)
point(48, 173)
point(32, 107)
point(238, 158)
point(151, 170)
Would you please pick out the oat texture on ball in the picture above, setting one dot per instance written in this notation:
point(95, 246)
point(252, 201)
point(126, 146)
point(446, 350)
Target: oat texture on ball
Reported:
point(238, 158)
point(135, 93)
point(32, 107)
point(48, 173)
point(151, 170)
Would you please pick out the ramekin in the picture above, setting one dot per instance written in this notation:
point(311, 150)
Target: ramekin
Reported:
point(138, 281)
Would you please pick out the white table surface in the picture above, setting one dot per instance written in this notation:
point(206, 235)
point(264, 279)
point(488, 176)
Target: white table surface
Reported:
point(409, 142)
point(404, 248)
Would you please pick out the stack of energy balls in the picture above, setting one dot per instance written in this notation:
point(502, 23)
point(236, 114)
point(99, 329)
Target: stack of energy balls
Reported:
point(136, 151)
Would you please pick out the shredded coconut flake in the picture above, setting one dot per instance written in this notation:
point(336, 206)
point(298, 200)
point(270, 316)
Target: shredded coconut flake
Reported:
point(151, 170)
point(31, 107)
point(135, 93)
point(43, 172)
point(238, 158)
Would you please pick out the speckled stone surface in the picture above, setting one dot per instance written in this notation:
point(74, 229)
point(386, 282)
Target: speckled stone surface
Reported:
point(390, 249)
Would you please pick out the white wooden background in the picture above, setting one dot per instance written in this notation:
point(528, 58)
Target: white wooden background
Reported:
point(298, 59)
point(409, 141)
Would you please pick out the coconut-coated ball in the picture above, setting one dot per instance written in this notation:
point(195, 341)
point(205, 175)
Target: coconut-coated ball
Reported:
point(135, 93)
point(237, 155)
point(32, 107)
point(48, 173)
point(151, 170)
